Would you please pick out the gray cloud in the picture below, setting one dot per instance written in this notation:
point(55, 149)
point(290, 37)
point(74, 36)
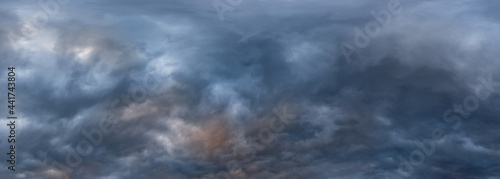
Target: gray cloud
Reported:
point(189, 94)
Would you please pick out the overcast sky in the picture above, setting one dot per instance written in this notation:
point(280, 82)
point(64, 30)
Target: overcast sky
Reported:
point(279, 89)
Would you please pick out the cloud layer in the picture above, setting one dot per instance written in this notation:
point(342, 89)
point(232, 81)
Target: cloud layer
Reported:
point(166, 89)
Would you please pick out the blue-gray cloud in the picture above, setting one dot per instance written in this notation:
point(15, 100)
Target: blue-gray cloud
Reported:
point(188, 95)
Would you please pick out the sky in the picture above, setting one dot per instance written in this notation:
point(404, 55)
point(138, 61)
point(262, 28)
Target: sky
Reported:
point(278, 89)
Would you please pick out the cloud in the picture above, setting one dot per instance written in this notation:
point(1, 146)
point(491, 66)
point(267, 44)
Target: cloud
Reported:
point(191, 96)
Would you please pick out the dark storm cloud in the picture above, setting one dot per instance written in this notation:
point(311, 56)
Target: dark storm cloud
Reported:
point(219, 84)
